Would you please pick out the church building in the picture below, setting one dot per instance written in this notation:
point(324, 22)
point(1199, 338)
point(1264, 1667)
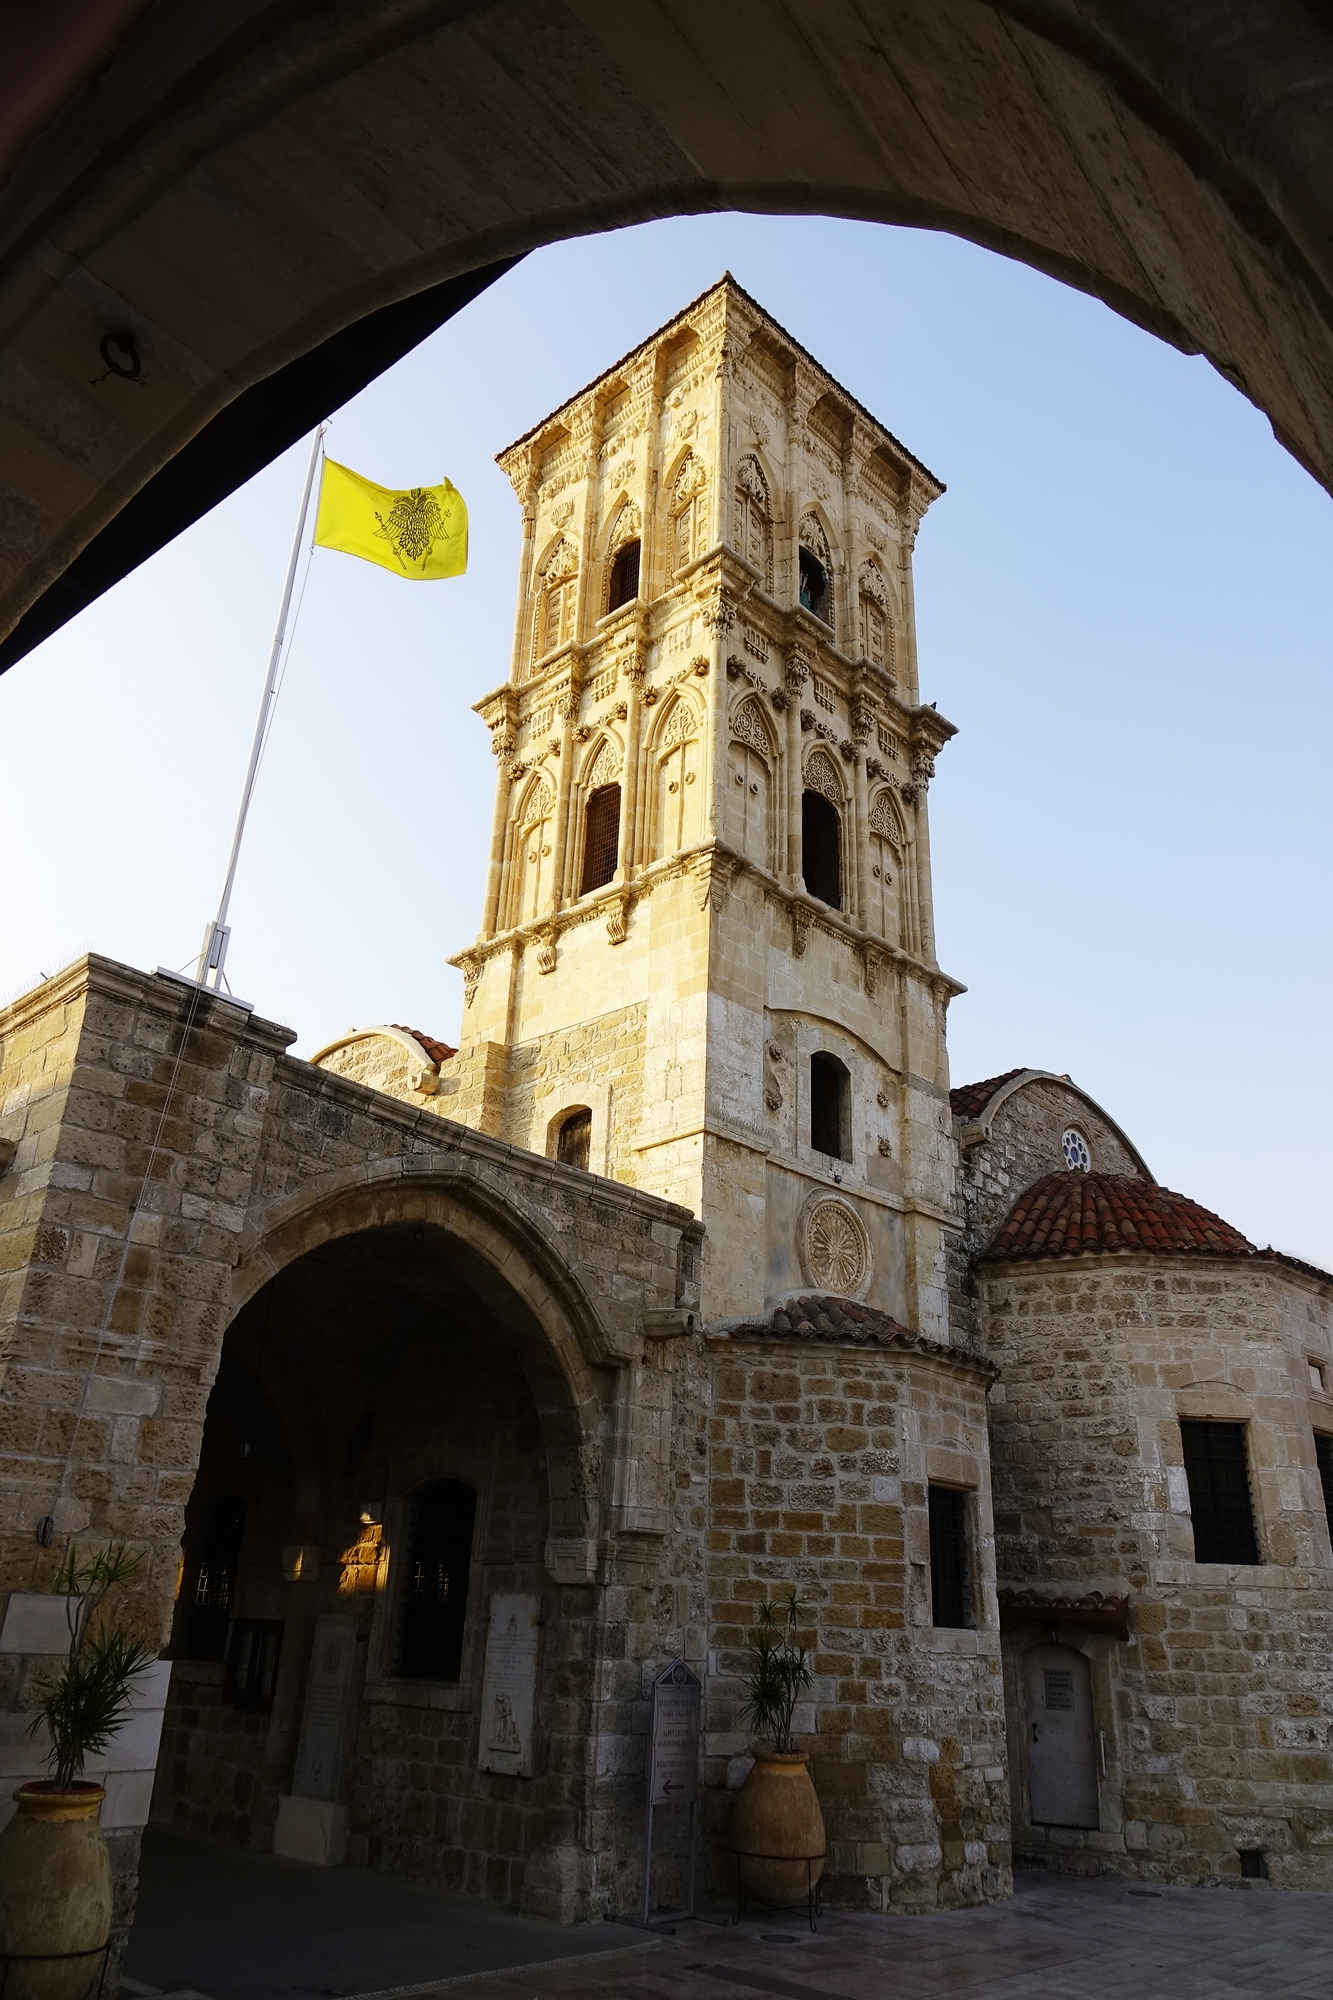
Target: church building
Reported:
point(452, 1393)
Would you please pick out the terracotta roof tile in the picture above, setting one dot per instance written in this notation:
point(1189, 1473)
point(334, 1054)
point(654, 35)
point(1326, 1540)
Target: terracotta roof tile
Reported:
point(823, 1316)
point(437, 1051)
point(1069, 1214)
point(971, 1099)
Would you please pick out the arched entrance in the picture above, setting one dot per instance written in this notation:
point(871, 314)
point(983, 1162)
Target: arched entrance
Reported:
point(220, 201)
point(368, 1632)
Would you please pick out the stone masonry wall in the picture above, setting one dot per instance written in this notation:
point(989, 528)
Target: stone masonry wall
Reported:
point(1218, 1712)
point(818, 1461)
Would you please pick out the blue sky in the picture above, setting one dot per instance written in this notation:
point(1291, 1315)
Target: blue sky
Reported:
point(1122, 603)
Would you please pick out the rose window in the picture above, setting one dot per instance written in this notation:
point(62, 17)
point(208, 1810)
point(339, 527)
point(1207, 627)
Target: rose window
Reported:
point(835, 1248)
point(1075, 1149)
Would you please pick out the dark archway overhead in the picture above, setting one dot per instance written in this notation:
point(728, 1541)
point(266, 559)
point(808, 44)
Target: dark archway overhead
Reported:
point(234, 184)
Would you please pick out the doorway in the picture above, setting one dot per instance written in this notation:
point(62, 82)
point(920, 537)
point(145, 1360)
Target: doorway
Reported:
point(1062, 1763)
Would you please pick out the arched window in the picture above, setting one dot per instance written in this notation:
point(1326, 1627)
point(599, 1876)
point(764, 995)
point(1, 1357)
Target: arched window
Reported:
point(829, 1094)
point(438, 1559)
point(213, 1585)
point(573, 1141)
point(876, 632)
point(750, 763)
point(533, 861)
point(601, 838)
point(624, 585)
point(821, 848)
point(553, 625)
point(816, 569)
point(753, 532)
point(677, 808)
point(689, 509)
point(886, 847)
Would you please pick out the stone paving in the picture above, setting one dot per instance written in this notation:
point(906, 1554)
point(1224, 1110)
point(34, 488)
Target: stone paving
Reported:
point(1060, 1938)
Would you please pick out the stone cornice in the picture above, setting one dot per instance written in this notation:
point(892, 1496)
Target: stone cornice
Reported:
point(106, 976)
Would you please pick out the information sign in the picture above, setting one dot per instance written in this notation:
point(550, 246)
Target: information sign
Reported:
point(673, 1772)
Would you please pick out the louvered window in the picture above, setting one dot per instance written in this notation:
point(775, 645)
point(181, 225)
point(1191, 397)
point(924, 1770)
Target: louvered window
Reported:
point(574, 1144)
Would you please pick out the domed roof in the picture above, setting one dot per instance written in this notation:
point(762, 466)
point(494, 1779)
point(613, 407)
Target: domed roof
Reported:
point(1071, 1214)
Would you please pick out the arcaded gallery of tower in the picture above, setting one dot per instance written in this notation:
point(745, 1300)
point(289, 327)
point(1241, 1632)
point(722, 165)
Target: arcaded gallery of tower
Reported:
point(685, 1278)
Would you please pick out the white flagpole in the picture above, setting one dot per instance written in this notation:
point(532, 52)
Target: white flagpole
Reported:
point(213, 953)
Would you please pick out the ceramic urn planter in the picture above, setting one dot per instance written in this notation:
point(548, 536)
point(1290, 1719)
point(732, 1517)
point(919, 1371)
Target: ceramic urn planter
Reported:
point(777, 1830)
point(55, 1893)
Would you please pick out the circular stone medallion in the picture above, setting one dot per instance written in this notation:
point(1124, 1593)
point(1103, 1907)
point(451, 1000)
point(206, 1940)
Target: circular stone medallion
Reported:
point(834, 1247)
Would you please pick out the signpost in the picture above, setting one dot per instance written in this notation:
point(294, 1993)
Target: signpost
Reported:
point(672, 1771)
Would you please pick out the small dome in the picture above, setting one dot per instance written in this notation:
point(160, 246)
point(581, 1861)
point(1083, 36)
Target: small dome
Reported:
point(1074, 1213)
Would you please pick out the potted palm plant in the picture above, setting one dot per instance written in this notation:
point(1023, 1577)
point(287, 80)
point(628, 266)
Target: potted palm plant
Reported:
point(55, 1878)
point(777, 1829)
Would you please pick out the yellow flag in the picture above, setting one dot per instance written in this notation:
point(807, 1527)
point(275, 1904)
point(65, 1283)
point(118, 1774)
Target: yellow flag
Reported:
point(419, 532)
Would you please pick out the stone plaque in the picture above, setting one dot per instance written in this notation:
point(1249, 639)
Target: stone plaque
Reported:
point(673, 1768)
point(327, 1719)
point(509, 1690)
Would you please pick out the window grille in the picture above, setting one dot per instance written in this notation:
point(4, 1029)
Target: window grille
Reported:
point(950, 1589)
point(1323, 1451)
point(624, 577)
point(1220, 1502)
point(574, 1143)
point(601, 838)
point(828, 1106)
point(252, 1664)
point(214, 1583)
point(435, 1582)
point(821, 849)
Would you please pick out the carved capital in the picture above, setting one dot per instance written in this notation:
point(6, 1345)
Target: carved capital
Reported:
point(798, 668)
point(863, 721)
point(470, 965)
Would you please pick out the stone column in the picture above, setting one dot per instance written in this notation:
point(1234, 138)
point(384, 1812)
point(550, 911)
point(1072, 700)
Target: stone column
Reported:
point(718, 618)
point(923, 770)
point(631, 666)
point(863, 721)
point(502, 744)
point(796, 674)
point(567, 707)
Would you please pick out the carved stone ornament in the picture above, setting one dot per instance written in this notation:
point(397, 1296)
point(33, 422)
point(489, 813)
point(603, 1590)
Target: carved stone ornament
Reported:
point(876, 536)
point(833, 1246)
point(713, 873)
point(882, 1099)
point(502, 742)
point(681, 724)
point(634, 664)
point(735, 668)
point(807, 718)
point(605, 768)
point(699, 665)
point(471, 967)
point(873, 962)
point(884, 820)
point(772, 1094)
point(691, 479)
point(650, 695)
point(863, 721)
point(821, 776)
point(780, 698)
point(748, 726)
point(849, 749)
point(886, 1149)
point(516, 771)
point(582, 733)
point(562, 514)
point(617, 922)
point(718, 617)
point(802, 916)
point(798, 667)
point(546, 949)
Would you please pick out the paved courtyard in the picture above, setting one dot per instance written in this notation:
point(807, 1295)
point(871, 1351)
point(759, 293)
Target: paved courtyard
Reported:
point(218, 1923)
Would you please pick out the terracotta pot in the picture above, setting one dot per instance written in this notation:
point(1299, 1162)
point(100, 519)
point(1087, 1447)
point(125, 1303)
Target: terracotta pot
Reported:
point(777, 1814)
point(55, 1893)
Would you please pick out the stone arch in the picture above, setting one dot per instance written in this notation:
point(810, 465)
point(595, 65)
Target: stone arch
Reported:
point(884, 818)
point(1223, 248)
point(875, 636)
point(509, 1262)
point(602, 763)
point(625, 524)
point(750, 725)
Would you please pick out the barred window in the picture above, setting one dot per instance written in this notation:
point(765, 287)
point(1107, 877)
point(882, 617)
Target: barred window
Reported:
point(601, 838)
point(438, 1562)
point(1220, 1502)
point(212, 1586)
point(624, 577)
point(950, 1585)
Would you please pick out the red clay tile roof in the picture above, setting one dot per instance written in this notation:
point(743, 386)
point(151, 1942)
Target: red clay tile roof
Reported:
point(971, 1099)
point(1069, 1214)
point(437, 1051)
point(823, 1316)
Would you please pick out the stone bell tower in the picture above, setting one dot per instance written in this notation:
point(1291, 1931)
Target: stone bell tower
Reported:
point(707, 962)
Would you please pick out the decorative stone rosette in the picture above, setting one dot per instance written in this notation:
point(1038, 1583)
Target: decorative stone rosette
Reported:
point(833, 1246)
